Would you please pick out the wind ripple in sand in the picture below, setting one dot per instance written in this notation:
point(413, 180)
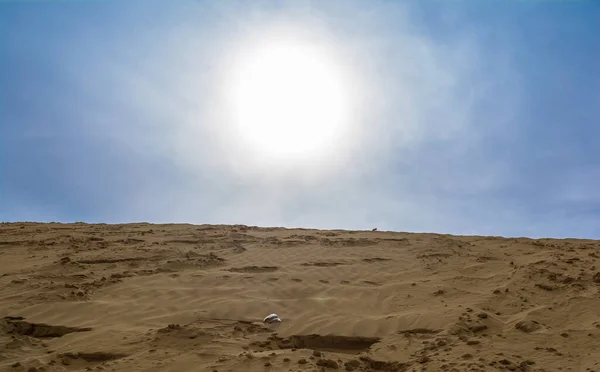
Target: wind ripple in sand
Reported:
point(140, 297)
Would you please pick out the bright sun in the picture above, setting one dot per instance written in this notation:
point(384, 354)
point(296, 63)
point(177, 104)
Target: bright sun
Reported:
point(288, 99)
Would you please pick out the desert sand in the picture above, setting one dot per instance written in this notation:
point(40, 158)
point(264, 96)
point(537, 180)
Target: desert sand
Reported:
point(143, 297)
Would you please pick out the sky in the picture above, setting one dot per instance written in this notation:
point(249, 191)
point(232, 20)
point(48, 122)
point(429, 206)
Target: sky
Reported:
point(460, 117)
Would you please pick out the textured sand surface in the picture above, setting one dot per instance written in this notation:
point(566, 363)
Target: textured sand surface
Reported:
point(142, 297)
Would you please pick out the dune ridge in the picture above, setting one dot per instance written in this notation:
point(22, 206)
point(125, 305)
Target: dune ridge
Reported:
point(177, 297)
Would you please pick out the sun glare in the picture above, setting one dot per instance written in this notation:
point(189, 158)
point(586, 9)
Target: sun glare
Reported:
point(288, 99)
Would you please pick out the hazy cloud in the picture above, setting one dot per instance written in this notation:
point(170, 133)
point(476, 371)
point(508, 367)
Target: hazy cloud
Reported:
point(125, 110)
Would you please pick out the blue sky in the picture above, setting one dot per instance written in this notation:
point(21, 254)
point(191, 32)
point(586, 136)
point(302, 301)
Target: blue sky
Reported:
point(478, 117)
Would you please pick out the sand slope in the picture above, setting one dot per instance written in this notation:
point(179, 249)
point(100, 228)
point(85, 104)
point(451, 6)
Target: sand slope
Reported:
point(142, 297)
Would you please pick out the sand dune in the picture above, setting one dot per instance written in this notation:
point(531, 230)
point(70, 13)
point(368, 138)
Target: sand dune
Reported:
point(142, 297)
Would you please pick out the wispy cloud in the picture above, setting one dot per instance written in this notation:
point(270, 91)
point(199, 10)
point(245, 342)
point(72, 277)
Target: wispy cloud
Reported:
point(127, 115)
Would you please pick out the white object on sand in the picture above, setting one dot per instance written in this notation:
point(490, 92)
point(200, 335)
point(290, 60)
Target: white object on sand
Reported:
point(272, 321)
point(271, 318)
